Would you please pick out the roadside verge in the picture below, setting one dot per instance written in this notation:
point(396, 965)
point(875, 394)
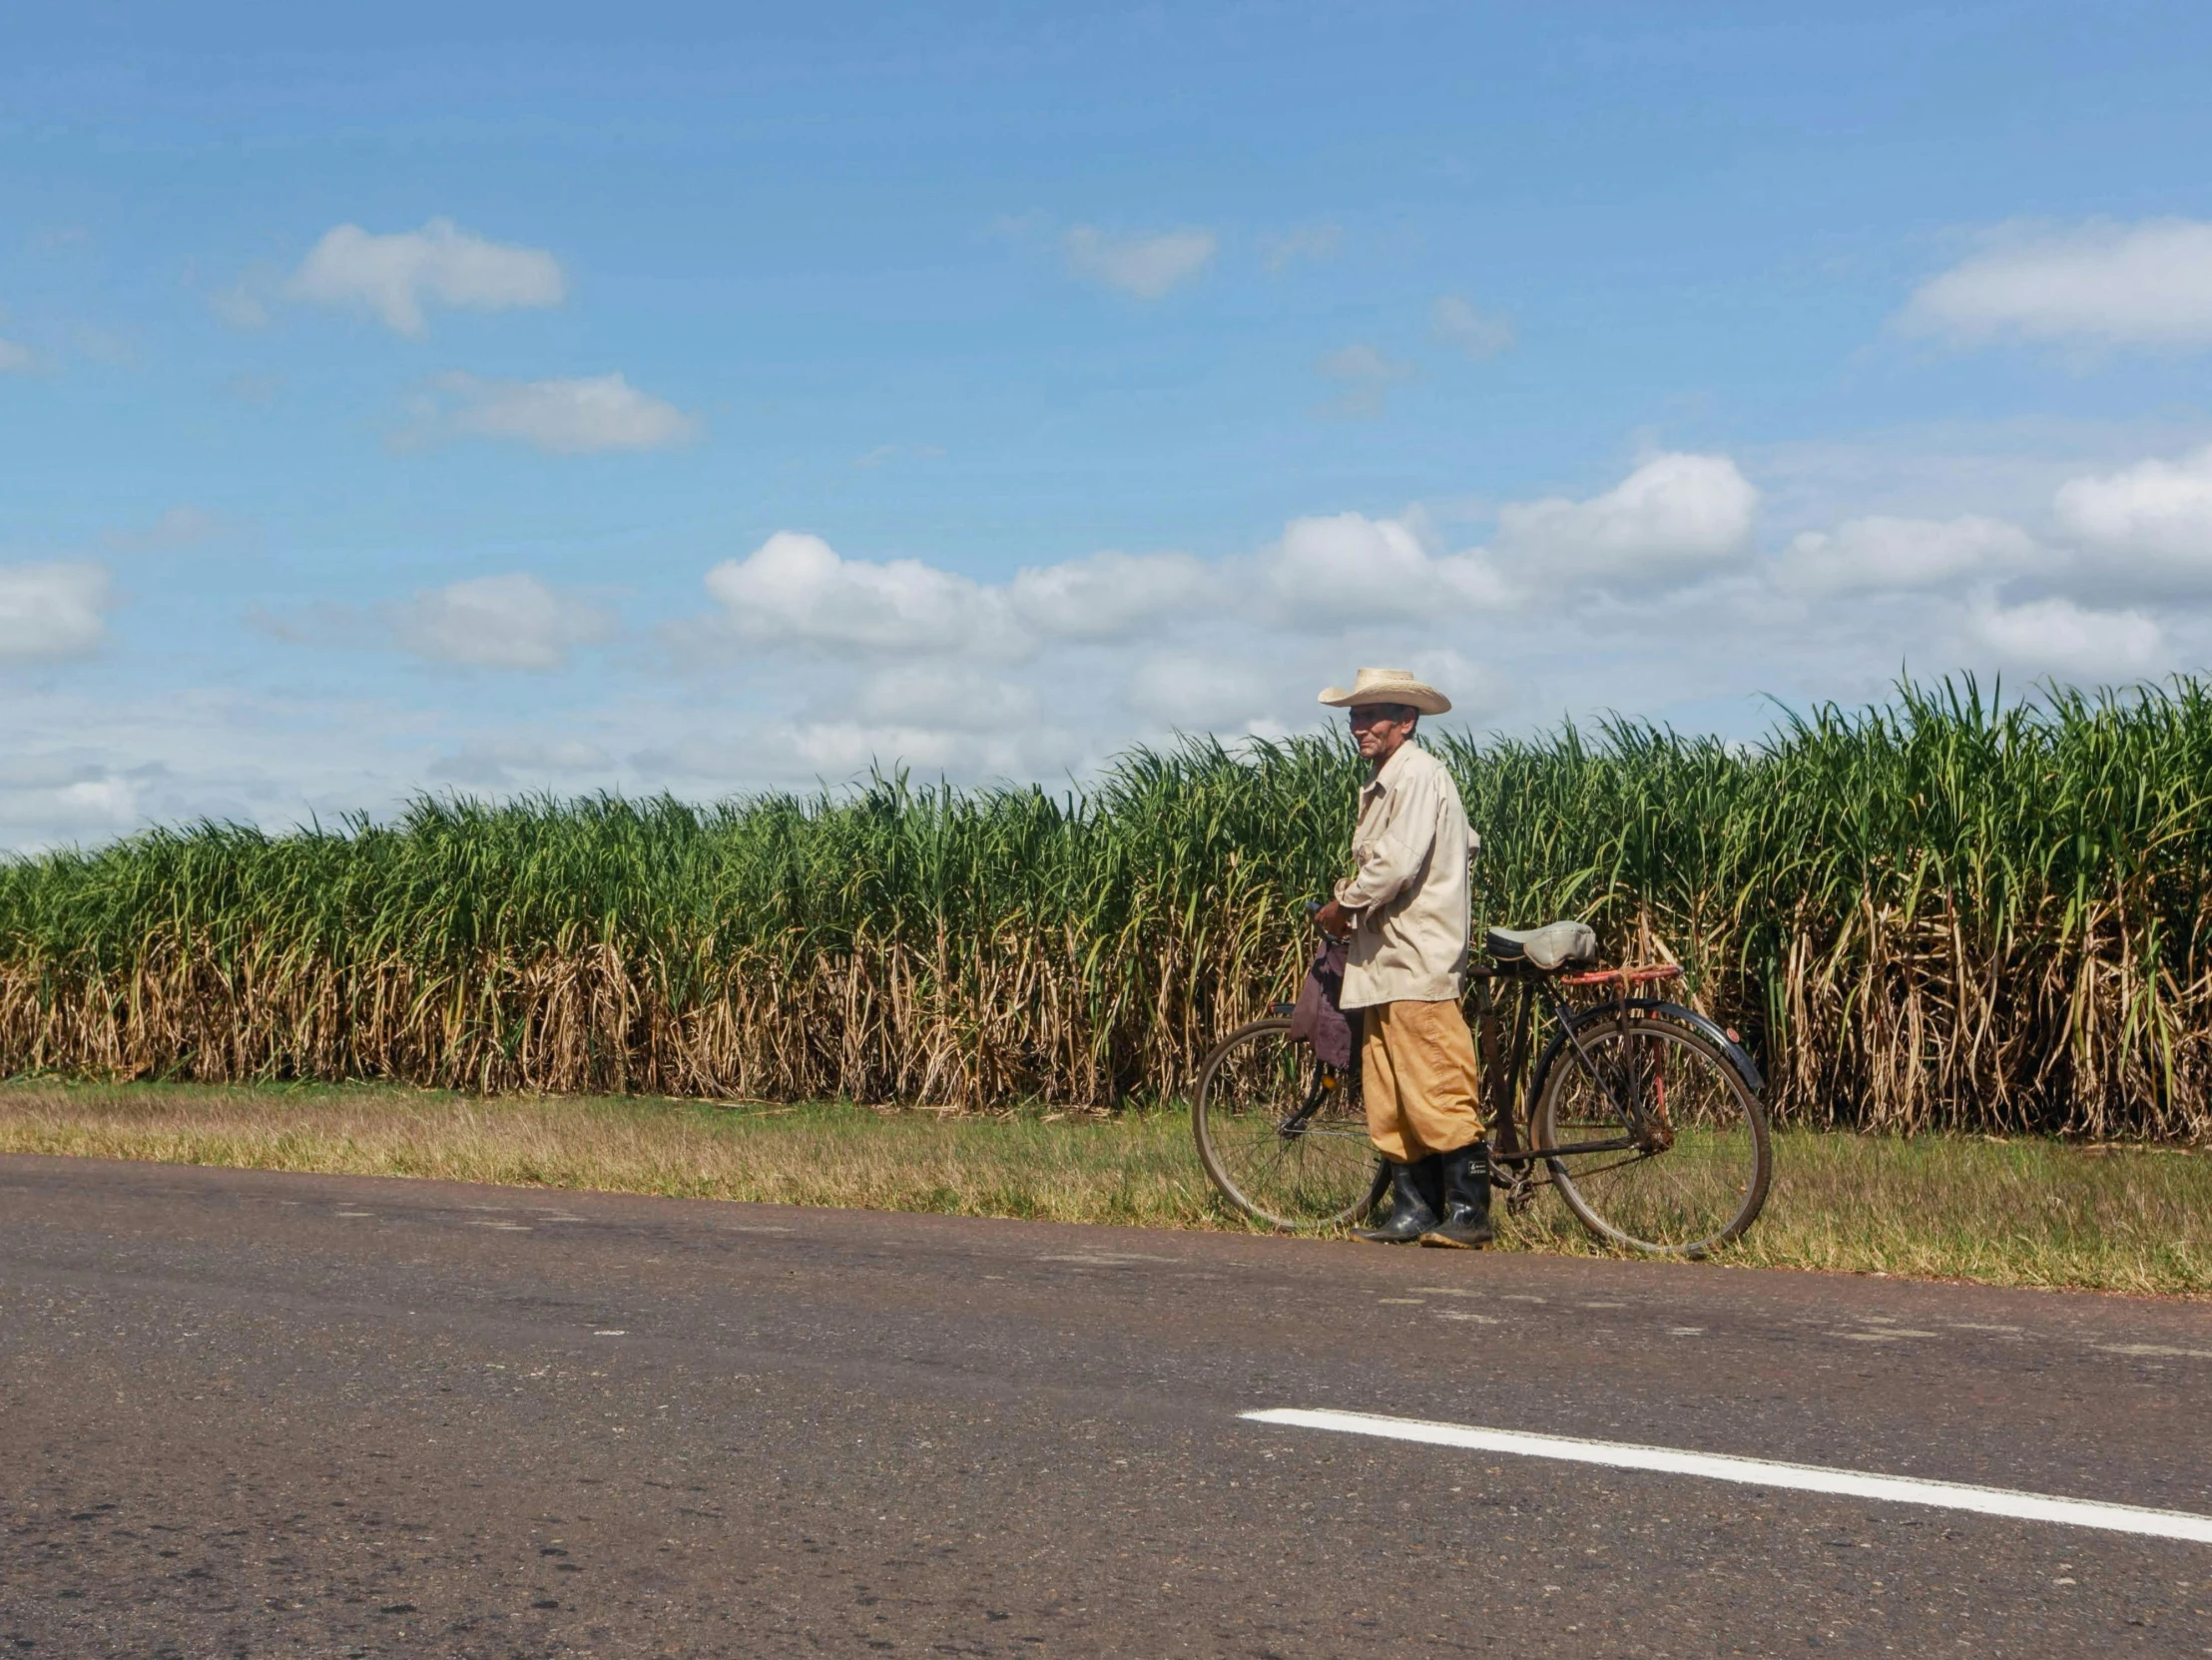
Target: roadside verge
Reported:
point(2017, 1213)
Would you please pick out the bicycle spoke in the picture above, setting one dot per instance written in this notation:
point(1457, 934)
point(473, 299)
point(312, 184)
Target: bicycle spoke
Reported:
point(1583, 1174)
point(1701, 1176)
point(1280, 1159)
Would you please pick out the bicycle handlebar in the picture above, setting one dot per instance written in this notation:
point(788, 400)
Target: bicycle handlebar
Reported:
point(1314, 908)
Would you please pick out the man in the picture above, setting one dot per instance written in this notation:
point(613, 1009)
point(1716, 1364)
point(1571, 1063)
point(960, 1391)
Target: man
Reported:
point(1406, 915)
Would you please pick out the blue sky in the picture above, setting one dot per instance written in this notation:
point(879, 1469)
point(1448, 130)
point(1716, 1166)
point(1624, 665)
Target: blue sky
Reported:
point(723, 399)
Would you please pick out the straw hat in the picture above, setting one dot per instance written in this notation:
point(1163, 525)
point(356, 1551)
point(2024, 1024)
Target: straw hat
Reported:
point(1388, 685)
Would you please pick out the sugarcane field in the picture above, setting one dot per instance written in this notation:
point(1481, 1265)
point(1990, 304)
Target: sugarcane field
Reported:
point(1251, 831)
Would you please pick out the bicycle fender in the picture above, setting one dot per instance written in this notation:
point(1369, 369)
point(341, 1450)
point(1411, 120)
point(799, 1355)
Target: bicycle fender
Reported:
point(1719, 1034)
point(1704, 1025)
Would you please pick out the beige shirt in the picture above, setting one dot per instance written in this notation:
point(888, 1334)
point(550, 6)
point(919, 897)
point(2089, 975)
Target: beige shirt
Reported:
point(1411, 847)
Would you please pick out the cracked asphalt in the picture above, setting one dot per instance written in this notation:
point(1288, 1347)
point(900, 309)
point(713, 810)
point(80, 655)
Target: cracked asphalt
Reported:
point(247, 1413)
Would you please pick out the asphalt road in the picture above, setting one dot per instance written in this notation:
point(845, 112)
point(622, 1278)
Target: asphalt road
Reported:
point(261, 1414)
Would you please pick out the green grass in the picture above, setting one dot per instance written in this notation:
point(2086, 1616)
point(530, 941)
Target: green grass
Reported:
point(2017, 1212)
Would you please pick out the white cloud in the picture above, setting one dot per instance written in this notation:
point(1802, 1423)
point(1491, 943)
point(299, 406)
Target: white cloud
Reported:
point(1365, 375)
point(97, 805)
point(1675, 516)
point(15, 359)
point(1883, 553)
point(1199, 691)
point(1304, 241)
point(177, 527)
point(506, 763)
point(498, 622)
point(826, 665)
point(1360, 362)
point(561, 418)
point(944, 695)
point(1385, 584)
point(845, 748)
point(51, 610)
point(240, 304)
point(394, 276)
point(112, 798)
point(2056, 635)
point(259, 390)
point(1480, 334)
point(1476, 691)
point(1148, 267)
point(794, 589)
point(881, 454)
point(2149, 284)
point(116, 348)
point(2153, 519)
point(1106, 595)
point(1346, 568)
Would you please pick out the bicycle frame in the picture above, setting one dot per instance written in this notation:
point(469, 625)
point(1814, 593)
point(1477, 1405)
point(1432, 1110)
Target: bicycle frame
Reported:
point(1504, 1069)
point(1618, 1065)
point(1505, 1061)
point(1294, 1123)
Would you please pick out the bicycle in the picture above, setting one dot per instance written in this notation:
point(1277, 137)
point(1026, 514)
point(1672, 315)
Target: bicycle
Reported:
point(1644, 1114)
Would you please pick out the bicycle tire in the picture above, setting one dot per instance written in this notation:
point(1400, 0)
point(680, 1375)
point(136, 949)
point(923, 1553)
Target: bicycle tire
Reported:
point(1694, 1195)
point(1323, 1174)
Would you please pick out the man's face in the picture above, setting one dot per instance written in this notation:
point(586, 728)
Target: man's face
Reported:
point(1379, 729)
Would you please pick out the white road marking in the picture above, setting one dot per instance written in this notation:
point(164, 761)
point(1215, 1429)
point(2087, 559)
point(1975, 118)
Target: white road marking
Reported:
point(1758, 1472)
point(2157, 1349)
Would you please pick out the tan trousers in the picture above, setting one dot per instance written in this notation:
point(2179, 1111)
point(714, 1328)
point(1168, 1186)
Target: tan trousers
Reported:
point(1416, 1071)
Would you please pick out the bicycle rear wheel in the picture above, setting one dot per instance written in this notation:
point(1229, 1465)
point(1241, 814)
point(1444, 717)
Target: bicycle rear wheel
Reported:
point(1278, 1135)
point(1702, 1183)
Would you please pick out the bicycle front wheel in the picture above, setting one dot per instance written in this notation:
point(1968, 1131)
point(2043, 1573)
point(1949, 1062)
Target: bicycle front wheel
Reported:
point(1700, 1174)
point(1278, 1136)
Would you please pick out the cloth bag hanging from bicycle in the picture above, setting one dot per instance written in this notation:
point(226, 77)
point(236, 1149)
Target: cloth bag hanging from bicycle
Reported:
point(1317, 1017)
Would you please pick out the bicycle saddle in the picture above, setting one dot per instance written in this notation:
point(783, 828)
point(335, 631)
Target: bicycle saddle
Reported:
point(1555, 945)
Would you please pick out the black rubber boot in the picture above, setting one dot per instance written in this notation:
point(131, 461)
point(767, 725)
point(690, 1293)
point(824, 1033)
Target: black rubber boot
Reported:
point(1409, 1216)
point(1467, 1223)
point(1429, 1173)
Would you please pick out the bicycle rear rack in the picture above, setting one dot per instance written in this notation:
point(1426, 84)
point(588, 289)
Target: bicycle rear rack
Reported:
point(1625, 977)
point(1505, 1061)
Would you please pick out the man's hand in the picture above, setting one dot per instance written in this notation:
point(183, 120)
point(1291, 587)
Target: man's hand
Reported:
point(1336, 921)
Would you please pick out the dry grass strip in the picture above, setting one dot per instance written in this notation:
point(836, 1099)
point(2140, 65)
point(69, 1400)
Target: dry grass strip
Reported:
point(2018, 1213)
